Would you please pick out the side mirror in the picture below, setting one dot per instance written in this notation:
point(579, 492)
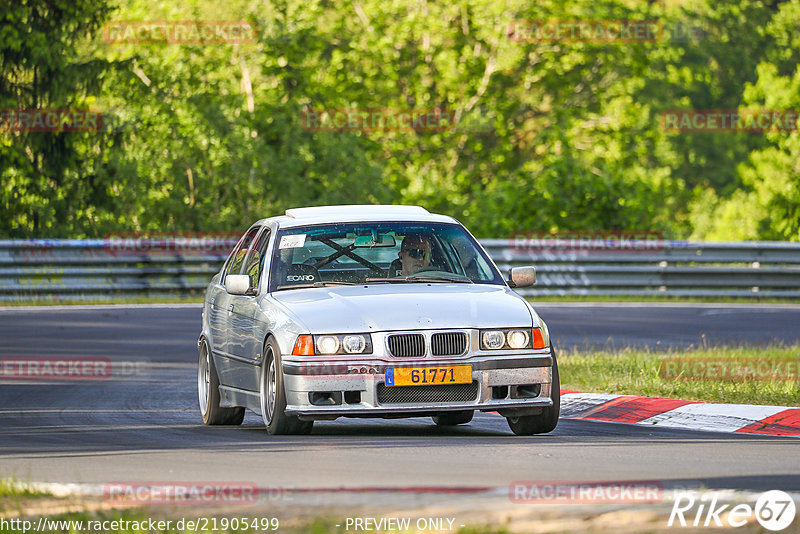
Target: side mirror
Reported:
point(237, 284)
point(522, 276)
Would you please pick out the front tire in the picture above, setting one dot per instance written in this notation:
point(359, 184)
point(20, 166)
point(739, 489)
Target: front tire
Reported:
point(208, 392)
point(527, 425)
point(454, 418)
point(273, 396)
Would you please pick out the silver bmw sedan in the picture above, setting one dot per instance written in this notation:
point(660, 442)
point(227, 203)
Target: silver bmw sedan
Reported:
point(371, 311)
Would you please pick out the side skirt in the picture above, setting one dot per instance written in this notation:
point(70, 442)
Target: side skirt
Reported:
point(230, 397)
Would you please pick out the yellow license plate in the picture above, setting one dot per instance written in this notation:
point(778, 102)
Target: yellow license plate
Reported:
point(428, 376)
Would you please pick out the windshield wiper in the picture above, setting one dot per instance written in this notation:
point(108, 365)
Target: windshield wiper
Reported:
point(382, 280)
point(412, 279)
point(315, 284)
point(435, 278)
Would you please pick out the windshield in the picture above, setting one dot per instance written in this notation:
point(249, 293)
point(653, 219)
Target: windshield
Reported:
point(378, 253)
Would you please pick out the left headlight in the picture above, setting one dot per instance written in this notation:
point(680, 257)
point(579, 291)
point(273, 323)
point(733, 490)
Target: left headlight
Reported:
point(511, 338)
point(329, 344)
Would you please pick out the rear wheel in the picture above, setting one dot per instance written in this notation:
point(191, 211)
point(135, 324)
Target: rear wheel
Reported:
point(273, 396)
point(208, 392)
point(527, 425)
point(454, 418)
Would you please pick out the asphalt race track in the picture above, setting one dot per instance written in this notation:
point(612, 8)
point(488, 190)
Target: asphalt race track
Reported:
point(169, 333)
point(145, 426)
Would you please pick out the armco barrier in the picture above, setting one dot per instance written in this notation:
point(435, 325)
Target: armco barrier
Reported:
point(93, 269)
point(67, 269)
point(753, 269)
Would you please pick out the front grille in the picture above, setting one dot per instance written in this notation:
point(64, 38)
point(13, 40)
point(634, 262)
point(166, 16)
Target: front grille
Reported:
point(407, 344)
point(448, 343)
point(427, 394)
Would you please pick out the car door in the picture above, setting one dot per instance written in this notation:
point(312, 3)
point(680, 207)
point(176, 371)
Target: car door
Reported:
point(229, 369)
point(246, 330)
point(218, 307)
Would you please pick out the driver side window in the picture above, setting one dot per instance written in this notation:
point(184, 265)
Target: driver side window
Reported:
point(254, 260)
point(237, 257)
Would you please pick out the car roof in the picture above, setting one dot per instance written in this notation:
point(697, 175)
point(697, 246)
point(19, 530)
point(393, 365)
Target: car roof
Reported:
point(357, 213)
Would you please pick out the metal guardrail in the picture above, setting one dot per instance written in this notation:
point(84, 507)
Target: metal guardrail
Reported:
point(752, 269)
point(94, 269)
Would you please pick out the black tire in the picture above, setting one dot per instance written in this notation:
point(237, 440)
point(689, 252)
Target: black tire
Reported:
point(273, 396)
point(527, 425)
point(454, 418)
point(208, 392)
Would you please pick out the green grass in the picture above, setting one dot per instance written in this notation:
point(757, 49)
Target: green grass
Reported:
point(644, 372)
point(11, 487)
point(15, 493)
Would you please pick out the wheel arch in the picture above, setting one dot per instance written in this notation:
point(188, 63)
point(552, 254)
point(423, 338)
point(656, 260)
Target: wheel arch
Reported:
point(267, 336)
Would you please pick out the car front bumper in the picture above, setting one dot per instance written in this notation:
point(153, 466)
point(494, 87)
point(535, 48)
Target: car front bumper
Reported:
point(357, 387)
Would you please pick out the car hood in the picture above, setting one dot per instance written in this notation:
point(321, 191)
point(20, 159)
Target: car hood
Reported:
point(382, 307)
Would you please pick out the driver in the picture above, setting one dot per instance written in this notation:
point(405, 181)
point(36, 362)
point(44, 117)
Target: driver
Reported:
point(415, 254)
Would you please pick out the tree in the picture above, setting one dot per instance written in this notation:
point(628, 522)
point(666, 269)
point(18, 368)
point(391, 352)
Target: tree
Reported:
point(44, 65)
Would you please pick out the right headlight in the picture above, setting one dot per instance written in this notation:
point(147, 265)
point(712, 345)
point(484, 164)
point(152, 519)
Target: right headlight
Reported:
point(517, 339)
point(512, 339)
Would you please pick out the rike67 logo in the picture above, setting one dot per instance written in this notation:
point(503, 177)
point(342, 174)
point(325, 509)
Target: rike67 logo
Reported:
point(774, 510)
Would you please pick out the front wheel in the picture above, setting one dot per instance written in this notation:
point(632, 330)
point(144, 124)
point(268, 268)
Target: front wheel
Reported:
point(527, 425)
point(208, 392)
point(273, 397)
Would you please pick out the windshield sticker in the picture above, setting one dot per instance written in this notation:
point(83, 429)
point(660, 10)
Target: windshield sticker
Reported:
point(292, 241)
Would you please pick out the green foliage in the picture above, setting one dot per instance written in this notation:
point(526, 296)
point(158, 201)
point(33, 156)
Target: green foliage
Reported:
point(768, 206)
point(44, 66)
point(548, 135)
